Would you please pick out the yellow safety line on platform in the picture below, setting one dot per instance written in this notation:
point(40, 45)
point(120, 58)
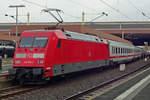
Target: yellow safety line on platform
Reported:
point(108, 89)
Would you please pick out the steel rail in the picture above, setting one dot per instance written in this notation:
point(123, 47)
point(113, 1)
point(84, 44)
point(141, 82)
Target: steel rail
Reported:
point(15, 90)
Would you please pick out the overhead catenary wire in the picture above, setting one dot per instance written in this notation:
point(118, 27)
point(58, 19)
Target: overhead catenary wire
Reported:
point(139, 10)
point(116, 10)
point(134, 6)
point(70, 15)
point(39, 5)
point(90, 8)
point(42, 6)
point(65, 13)
point(82, 5)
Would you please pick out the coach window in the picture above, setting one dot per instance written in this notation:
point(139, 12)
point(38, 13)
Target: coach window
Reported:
point(124, 50)
point(120, 50)
point(112, 49)
point(130, 50)
point(117, 50)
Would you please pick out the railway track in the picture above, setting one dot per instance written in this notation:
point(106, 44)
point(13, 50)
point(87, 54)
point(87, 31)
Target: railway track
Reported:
point(87, 93)
point(4, 77)
point(15, 90)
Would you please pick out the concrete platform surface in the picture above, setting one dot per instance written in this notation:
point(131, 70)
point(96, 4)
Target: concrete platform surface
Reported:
point(133, 89)
point(144, 94)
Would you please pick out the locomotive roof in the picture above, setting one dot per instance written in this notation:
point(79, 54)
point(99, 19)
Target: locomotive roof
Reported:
point(74, 35)
point(84, 37)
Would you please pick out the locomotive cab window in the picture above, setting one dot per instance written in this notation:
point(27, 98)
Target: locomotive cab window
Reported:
point(40, 42)
point(26, 42)
point(33, 42)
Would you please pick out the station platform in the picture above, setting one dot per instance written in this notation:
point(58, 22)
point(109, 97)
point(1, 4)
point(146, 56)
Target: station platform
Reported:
point(136, 87)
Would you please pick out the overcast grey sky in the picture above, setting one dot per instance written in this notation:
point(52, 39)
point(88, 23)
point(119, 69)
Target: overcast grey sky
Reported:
point(118, 10)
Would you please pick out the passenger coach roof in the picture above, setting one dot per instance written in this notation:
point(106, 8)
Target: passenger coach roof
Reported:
point(79, 36)
point(120, 43)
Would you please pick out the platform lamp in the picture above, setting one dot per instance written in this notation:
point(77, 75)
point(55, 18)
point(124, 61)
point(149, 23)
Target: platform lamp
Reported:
point(16, 6)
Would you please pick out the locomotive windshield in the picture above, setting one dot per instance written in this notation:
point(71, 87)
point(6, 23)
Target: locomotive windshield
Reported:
point(33, 42)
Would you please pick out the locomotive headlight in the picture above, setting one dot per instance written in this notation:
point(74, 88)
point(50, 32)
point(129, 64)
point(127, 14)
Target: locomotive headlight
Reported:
point(40, 61)
point(17, 61)
point(48, 68)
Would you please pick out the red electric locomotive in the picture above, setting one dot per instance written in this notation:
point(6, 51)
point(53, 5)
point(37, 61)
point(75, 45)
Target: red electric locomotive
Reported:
point(43, 54)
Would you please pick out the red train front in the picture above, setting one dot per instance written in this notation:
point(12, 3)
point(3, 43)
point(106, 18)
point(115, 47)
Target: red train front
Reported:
point(31, 55)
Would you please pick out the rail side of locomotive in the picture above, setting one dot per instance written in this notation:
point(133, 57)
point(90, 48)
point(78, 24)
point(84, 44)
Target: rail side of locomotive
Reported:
point(79, 52)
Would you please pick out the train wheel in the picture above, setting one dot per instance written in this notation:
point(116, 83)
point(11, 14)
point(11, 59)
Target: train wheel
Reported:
point(21, 81)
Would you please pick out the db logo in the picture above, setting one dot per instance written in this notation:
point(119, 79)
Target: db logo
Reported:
point(29, 55)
